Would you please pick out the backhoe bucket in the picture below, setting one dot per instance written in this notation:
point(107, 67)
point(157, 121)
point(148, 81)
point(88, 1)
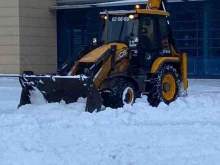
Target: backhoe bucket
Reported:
point(58, 88)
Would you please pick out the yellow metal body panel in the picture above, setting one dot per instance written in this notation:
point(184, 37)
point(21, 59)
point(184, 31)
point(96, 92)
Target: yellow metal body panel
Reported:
point(159, 61)
point(106, 66)
point(184, 70)
point(103, 72)
point(95, 54)
point(73, 70)
point(123, 66)
point(173, 51)
point(154, 12)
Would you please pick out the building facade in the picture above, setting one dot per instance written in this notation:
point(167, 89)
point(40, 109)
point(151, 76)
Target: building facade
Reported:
point(27, 36)
point(41, 35)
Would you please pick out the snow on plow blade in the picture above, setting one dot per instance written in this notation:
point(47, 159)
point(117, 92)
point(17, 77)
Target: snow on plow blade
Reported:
point(57, 88)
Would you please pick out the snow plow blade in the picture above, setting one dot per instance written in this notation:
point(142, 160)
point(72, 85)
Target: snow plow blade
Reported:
point(58, 88)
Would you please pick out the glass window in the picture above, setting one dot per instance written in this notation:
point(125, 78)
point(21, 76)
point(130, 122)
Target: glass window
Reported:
point(121, 28)
point(200, 52)
point(163, 27)
point(164, 36)
point(189, 51)
point(147, 32)
point(215, 51)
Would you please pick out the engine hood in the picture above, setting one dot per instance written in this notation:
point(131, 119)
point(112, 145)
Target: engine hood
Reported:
point(98, 52)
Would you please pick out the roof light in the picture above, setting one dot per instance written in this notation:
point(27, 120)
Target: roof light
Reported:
point(137, 6)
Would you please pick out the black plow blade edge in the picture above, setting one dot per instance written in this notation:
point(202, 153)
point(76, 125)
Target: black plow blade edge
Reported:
point(57, 88)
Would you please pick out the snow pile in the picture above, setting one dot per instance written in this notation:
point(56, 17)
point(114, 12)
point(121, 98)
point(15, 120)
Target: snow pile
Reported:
point(37, 97)
point(186, 132)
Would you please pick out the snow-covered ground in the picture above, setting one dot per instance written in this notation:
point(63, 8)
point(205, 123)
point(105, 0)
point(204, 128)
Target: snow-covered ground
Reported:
point(185, 133)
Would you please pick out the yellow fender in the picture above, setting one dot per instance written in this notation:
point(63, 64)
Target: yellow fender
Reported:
point(158, 63)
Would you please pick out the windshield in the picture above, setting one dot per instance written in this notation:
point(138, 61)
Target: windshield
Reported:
point(121, 29)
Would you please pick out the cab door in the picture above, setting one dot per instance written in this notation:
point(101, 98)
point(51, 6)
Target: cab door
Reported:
point(164, 38)
point(149, 40)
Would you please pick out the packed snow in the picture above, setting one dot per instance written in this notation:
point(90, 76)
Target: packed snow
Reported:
point(187, 132)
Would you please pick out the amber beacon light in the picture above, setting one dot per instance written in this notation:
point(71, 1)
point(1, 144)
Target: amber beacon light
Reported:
point(137, 6)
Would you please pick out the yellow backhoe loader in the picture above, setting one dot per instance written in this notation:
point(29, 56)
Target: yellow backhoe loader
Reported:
point(138, 57)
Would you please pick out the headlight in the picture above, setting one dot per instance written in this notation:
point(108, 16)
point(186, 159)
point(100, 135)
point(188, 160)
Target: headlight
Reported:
point(131, 16)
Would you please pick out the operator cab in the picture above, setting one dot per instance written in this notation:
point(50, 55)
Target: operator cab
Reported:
point(145, 32)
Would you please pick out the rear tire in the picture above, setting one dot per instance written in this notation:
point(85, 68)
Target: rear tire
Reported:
point(123, 92)
point(164, 86)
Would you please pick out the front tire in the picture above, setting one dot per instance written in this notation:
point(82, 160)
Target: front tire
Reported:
point(164, 86)
point(122, 93)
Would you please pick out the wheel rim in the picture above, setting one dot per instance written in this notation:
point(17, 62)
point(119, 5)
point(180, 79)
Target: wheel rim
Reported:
point(128, 96)
point(168, 87)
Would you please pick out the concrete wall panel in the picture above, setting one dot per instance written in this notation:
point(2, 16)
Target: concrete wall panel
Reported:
point(9, 22)
point(9, 31)
point(35, 12)
point(9, 40)
point(9, 12)
point(38, 32)
point(27, 36)
point(38, 50)
point(38, 60)
point(9, 60)
point(9, 3)
point(9, 69)
point(9, 50)
point(38, 39)
point(37, 22)
point(46, 69)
